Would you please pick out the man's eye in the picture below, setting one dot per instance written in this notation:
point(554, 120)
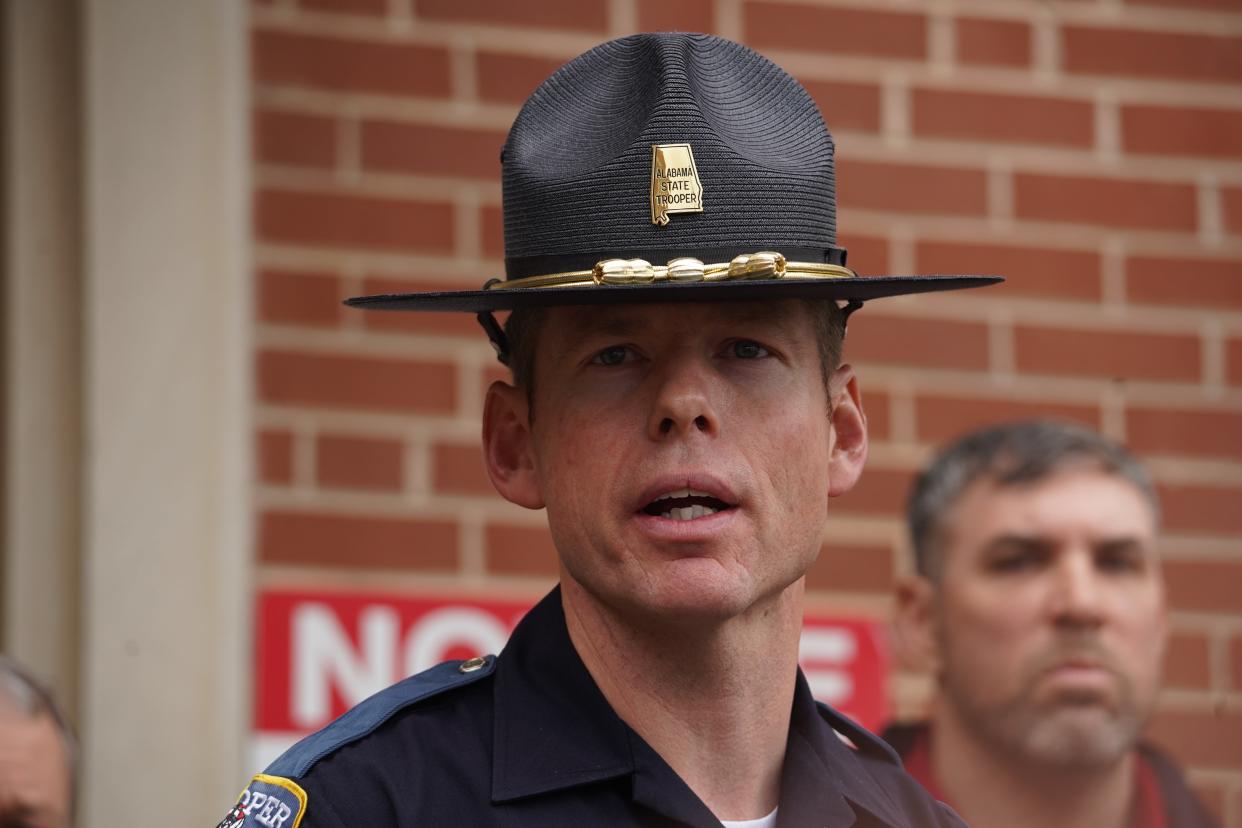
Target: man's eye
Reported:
point(1018, 561)
point(1012, 563)
point(615, 355)
point(1119, 562)
point(747, 349)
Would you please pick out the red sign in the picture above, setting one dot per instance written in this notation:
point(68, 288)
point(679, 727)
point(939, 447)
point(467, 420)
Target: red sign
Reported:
point(319, 653)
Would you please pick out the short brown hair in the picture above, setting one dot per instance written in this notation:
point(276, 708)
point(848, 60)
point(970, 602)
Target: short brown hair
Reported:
point(1008, 454)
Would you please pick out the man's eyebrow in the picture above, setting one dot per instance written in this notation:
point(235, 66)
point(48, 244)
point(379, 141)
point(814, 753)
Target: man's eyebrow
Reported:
point(614, 322)
point(610, 323)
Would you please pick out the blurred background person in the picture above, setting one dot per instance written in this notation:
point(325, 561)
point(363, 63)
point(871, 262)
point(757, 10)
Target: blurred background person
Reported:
point(36, 754)
point(1038, 604)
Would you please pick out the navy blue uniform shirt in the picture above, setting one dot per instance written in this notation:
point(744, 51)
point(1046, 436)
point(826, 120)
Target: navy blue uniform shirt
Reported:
point(527, 739)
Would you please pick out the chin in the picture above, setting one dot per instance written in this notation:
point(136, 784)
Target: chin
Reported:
point(694, 591)
point(1084, 737)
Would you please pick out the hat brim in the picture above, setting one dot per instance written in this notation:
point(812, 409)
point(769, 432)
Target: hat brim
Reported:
point(859, 288)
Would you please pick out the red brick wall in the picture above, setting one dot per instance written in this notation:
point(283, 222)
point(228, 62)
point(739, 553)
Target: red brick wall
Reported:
point(1091, 151)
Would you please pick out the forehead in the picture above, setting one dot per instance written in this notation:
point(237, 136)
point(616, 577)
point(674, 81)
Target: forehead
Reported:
point(573, 323)
point(1077, 503)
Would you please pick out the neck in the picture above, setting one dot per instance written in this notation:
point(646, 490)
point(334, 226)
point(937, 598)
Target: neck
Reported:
point(992, 788)
point(713, 699)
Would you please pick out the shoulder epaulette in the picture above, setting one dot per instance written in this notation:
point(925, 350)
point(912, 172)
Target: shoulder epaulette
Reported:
point(368, 715)
point(864, 741)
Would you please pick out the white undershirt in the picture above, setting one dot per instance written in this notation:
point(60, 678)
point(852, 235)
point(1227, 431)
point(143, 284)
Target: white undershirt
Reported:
point(768, 821)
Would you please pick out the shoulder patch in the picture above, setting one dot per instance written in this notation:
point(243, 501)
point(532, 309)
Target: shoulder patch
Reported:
point(267, 802)
point(369, 714)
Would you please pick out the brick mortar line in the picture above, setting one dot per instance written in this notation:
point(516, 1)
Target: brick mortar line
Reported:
point(471, 272)
point(1071, 88)
point(1113, 413)
point(1066, 235)
point(1035, 387)
point(891, 455)
point(1132, 17)
point(535, 41)
point(399, 582)
point(1213, 355)
point(356, 503)
point(1183, 701)
point(974, 231)
point(397, 186)
point(1221, 630)
point(463, 80)
point(471, 543)
point(401, 15)
point(902, 412)
point(451, 428)
point(941, 39)
point(1046, 57)
point(1218, 662)
point(1181, 546)
point(413, 347)
point(1057, 235)
point(1211, 210)
point(838, 602)
point(1044, 160)
point(1222, 623)
point(1061, 387)
point(373, 106)
point(416, 455)
point(1129, 89)
point(1113, 286)
point(305, 455)
point(1048, 313)
point(1180, 469)
point(622, 17)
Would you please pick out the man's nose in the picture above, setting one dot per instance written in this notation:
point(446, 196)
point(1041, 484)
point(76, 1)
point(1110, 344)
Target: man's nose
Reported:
point(1078, 597)
point(683, 401)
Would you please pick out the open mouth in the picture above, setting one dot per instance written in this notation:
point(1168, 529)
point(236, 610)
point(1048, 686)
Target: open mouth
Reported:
point(685, 504)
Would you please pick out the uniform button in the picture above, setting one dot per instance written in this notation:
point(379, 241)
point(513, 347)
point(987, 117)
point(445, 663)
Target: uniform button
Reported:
point(472, 664)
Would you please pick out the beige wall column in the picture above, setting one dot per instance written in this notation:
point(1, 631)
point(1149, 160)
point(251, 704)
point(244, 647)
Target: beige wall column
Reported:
point(42, 320)
point(167, 354)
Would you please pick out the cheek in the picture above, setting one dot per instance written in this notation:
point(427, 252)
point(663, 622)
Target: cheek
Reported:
point(990, 634)
point(1143, 638)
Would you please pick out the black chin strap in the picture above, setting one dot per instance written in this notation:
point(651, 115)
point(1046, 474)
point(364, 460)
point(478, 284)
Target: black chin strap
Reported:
point(851, 305)
point(495, 335)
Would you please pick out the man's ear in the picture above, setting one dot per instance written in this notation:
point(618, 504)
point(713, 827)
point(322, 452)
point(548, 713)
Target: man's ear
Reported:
point(507, 450)
point(914, 625)
point(849, 424)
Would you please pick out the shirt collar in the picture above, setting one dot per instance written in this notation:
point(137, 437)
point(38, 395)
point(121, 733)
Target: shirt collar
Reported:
point(554, 730)
point(553, 727)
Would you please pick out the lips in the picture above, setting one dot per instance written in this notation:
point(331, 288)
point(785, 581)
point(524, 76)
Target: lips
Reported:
point(686, 498)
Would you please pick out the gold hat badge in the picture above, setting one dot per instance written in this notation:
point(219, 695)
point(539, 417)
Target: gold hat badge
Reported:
point(675, 185)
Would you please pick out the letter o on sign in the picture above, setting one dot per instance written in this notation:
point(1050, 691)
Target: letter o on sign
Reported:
point(439, 630)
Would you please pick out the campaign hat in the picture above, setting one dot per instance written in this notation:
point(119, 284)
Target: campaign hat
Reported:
point(668, 167)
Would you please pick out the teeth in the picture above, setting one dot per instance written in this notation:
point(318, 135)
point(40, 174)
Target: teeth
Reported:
point(688, 512)
point(684, 493)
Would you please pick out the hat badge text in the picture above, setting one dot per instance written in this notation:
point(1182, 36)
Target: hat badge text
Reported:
point(675, 185)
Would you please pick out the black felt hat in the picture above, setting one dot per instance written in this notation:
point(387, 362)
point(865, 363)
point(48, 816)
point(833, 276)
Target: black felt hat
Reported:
point(668, 167)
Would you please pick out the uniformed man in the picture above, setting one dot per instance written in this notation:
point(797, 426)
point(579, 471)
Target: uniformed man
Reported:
point(680, 410)
point(1038, 604)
